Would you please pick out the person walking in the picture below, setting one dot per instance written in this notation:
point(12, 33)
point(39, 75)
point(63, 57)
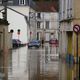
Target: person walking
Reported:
point(42, 43)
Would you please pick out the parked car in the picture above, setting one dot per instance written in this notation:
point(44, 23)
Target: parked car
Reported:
point(34, 43)
point(54, 42)
point(16, 43)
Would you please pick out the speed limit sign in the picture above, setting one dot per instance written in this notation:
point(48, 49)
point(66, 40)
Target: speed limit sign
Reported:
point(76, 28)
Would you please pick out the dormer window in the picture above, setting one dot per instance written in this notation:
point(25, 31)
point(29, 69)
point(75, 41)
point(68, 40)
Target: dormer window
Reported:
point(21, 2)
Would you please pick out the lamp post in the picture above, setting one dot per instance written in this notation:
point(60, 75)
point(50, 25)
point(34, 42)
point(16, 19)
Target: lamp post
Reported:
point(18, 32)
point(11, 31)
point(4, 2)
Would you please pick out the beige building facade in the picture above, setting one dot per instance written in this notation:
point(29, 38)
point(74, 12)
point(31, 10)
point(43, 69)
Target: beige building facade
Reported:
point(4, 49)
point(69, 16)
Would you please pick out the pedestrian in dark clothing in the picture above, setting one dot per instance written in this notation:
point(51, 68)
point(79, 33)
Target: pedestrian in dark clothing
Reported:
point(42, 43)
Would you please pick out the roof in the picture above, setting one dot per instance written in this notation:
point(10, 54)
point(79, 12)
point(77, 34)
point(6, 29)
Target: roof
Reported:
point(47, 6)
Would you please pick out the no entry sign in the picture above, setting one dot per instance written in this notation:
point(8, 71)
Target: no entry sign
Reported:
point(76, 28)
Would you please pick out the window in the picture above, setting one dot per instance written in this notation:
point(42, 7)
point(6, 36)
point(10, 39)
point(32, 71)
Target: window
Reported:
point(38, 15)
point(47, 24)
point(38, 24)
point(21, 2)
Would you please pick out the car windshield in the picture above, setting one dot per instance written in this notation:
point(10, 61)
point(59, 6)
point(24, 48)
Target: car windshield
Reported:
point(34, 41)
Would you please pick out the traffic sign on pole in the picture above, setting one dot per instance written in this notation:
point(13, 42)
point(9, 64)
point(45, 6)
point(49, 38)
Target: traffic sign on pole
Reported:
point(54, 42)
point(76, 28)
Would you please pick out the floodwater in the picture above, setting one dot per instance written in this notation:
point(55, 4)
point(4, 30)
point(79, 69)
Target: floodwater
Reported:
point(33, 64)
point(17, 69)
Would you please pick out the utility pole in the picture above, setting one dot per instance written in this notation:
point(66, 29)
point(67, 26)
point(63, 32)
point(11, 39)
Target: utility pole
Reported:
point(29, 17)
point(4, 2)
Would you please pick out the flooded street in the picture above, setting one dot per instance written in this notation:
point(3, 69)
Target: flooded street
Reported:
point(39, 40)
point(18, 64)
point(37, 64)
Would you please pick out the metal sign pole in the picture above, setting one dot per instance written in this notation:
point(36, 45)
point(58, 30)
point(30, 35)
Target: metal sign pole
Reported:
point(77, 57)
point(76, 29)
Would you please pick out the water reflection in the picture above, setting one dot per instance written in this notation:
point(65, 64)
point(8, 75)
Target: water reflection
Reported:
point(49, 68)
point(18, 64)
point(62, 69)
point(67, 71)
point(36, 64)
point(40, 65)
point(3, 65)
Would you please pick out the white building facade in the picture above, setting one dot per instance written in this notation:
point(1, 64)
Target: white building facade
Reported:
point(47, 25)
point(17, 10)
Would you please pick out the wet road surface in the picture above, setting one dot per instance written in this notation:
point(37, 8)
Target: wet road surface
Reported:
point(18, 64)
point(37, 64)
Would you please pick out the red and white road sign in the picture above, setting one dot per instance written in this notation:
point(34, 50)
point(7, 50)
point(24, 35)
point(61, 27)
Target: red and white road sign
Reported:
point(76, 28)
point(54, 42)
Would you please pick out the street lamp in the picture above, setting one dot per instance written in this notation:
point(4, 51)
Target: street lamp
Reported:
point(18, 32)
point(11, 30)
point(4, 2)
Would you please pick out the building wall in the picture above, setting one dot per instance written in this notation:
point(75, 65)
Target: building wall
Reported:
point(3, 32)
point(32, 26)
point(76, 21)
point(4, 48)
point(16, 2)
point(76, 9)
point(66, 9)
point(66, 14)
point(9, 40)
point(18, 11)
point(52, 17)
point(69, 16)
point(15, 24)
